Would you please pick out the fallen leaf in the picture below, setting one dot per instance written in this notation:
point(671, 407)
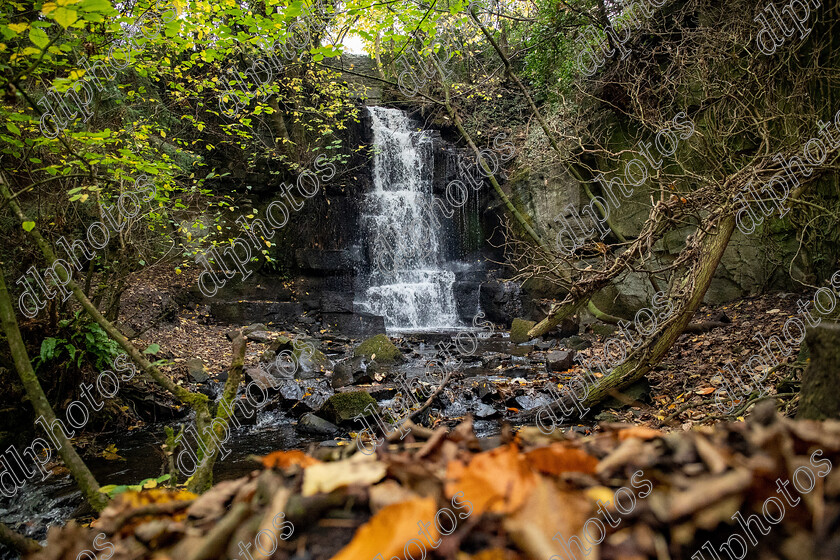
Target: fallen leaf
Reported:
point(545, 512)
point(389, 492)
point(705, 390)
point(326, 477)
point(498, 480)
point(389, 531)
point(640, 432)
point(558, 458)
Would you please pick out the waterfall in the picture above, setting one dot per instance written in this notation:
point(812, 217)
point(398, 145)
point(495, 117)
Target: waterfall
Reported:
point(407, 284)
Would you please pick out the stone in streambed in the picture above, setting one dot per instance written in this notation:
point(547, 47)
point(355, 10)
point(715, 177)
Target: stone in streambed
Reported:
point(259, 336)
point(519, 330)
point(311, 424)
point(349, 371)
point(559, 360)
point(379, 348)
point(343, 407)
point(485, 411)
point(197, 370)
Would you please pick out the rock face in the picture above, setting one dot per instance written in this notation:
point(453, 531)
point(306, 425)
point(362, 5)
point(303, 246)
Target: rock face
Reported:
point(500, 301)
point(820, 399)
point(343, 407)
point(379, 348)
point(355, 324)
point(245, 312)
point(519, 330)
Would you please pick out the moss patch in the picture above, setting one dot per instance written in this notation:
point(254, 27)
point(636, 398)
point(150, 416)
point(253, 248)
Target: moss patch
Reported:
point(379, 348)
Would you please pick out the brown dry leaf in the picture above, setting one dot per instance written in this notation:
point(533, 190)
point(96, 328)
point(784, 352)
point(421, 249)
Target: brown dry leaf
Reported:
point(545, 512)
point(326, 477)
point(389, 531)
point(558, 458)
point(214, 503)
point(707, 491)
point(498, 480)
point(285, 459)
point(705, 390)
point(640, 432)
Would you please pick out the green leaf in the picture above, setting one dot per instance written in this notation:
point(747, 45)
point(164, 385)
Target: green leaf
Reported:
point(28, 226)
point(39, 37)
point(65, 17)
point(153, 348)
point(96, 6)
point(48, 348)
point(118, 489)
point(13, 129)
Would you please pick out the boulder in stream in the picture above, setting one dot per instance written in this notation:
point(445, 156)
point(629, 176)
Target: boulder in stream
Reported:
point(343, 407)
point(519, 330)
point(379, 348)
point(311, 424)
point(559, 360)
point(348, 372)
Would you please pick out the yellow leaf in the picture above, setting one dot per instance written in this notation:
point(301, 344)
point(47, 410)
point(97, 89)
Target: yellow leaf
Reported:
point(390, 531)
point(48, 7)
point(326, 477)
point(18, 27)
point(64, 17)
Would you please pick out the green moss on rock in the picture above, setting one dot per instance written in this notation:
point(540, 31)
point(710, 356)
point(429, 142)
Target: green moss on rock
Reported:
point(343, 407)
point(379, 348)
point(519, 330)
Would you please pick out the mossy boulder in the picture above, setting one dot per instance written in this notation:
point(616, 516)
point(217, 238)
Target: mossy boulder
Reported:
point(343, 407)
point(519, 330)
point(379, 348)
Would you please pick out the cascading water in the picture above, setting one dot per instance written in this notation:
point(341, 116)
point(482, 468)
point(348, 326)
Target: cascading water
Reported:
point(407, 285)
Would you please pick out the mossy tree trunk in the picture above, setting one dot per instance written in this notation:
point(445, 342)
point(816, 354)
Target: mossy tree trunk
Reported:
point(203, 477)
point(84, 478)
point(196, 401)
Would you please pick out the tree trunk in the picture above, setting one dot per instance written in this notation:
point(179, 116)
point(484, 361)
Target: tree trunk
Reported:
point(180, 393)
point(84, 478)
point(18, 542)
point(203, 477)
point(698, 280)
point(196, 401)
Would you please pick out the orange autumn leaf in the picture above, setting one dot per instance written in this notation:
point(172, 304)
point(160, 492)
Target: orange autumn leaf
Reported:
point(558, 458)
point(285, 459)
point(493, 554)
point(639, 432)
point(389, 531)
point(498, 480)
point(705, 390)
